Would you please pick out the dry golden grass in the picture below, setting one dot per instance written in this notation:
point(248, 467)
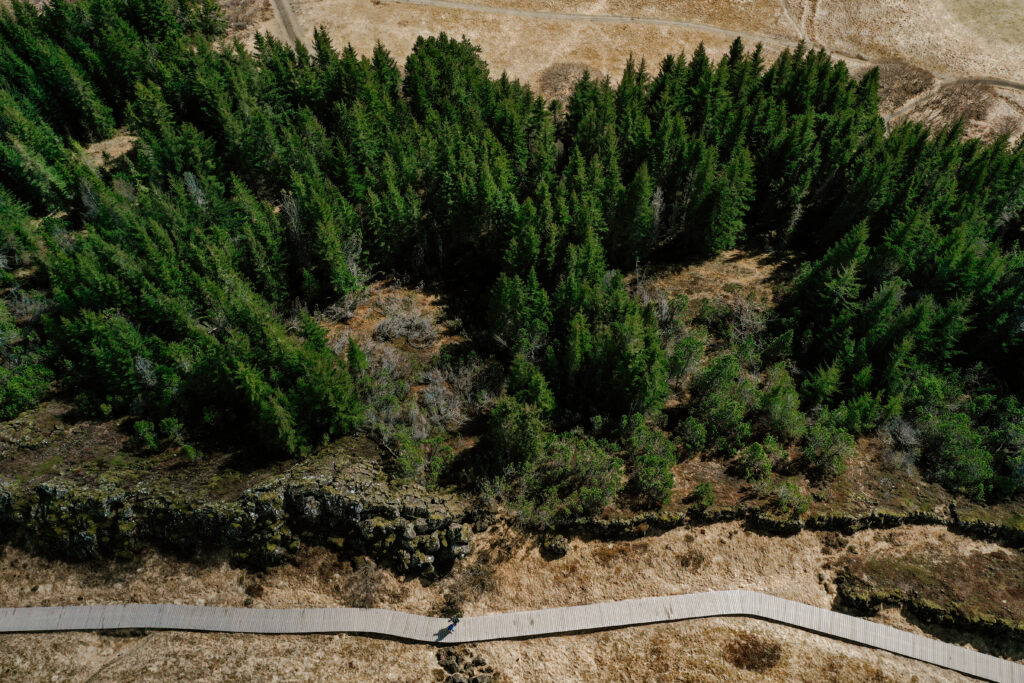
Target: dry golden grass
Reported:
point(506, 572)
point(1001, 20)
point(698, 651)
point(925, 33)
point(526, 47)
point(106, 151)
point(731, 273)
point(167, 656)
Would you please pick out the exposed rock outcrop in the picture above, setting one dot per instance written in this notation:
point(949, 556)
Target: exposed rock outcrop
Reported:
point(353, 511)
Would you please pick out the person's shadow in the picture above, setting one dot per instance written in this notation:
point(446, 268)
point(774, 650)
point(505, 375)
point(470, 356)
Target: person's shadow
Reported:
point(442, 634)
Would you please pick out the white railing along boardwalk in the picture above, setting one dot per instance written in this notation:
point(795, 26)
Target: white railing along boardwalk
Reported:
point(558, 620)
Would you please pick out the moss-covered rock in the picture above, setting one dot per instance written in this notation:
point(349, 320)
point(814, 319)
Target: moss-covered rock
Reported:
point(79, 524)
point(351, 511)
point(859, 597)
point(554, 546)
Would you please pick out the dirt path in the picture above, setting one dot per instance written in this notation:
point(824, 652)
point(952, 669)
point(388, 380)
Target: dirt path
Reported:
point(283, 10)
point(998, 82)
point(789, 17)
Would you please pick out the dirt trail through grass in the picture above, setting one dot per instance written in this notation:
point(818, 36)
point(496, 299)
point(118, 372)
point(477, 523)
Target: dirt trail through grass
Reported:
point(283, 10)
point(789, 17)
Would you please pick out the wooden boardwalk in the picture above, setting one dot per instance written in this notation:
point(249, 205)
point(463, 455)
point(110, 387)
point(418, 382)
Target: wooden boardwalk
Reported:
point(559, 620)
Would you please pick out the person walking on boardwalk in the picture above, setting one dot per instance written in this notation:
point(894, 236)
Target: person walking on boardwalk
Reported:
point(451, 626)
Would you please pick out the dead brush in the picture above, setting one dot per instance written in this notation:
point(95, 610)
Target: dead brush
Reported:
point(344, 309)
point(27, 307)
point(693, 559)
point(443, 407)
point(240, 14)
point(620, 551)
point(1006, 125)
point(968, 100)
point(899, 81)
point(753, 652)
point(473, 581)
point(405, 318)
point(558, 80)
point(646, 291)
point(368, 586)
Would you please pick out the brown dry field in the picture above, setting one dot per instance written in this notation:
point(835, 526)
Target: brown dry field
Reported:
point(956, 41)
point(505, 572)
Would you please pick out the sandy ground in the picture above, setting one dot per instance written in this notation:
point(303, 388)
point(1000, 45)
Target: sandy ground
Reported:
point(506, 572)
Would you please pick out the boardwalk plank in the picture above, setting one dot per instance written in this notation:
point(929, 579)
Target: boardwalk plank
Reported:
point(534, 623)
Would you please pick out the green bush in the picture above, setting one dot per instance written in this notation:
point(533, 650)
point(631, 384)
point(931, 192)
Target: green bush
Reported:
point(410, 457)
point(192, 453)
point(723, 397)
point(686, 356)
point(823, 384)
point(420, 460)
point(720, 375)
point(780, 405)
point(829, 447)
point(693, 434)
point(145, 434)
point(171, 428)
point(791, 500)
point(756, 464)
point(23, 386)
point(575, 477)
point(651, 458)
point(516, 433)
point(704, 495)
point(724, 419)
point(653, 479)
point(953, 454)
point(526, 384)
